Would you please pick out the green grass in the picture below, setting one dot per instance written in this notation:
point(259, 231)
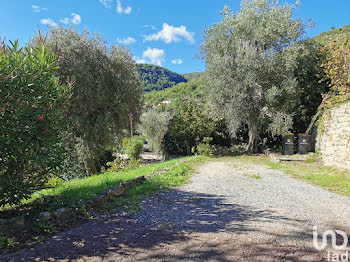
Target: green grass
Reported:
point(312, 170)
point(70, 193)
point(254, 176)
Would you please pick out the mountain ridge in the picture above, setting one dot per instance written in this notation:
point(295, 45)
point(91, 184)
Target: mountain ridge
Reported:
point(158, 78)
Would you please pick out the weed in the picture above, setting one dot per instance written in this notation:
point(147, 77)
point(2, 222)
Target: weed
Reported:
point(44, 226)
point(5, 241)
point(254, 176)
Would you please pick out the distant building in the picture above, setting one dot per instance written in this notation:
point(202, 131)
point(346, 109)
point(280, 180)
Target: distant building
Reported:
point(164, 102)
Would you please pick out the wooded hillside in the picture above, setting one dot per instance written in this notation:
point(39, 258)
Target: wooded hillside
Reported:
point(158, 78)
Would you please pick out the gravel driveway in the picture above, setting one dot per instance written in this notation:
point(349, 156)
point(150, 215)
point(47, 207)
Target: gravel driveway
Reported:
point(232, 211)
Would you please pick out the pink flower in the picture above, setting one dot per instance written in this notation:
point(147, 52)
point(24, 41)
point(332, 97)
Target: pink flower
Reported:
point(41, 118)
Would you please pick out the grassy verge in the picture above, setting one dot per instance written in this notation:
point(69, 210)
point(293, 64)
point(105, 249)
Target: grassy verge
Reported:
point(178, 174)
point(312, 170)
point(159, 176)
point(70, 193)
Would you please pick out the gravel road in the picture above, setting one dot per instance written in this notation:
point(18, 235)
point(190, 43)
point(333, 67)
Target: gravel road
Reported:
point(231, 211)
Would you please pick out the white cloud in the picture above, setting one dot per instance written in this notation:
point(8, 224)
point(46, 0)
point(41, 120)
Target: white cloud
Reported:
point(121, 10)
point(151, 55)
point(127, 10)
point(170, 34)
point(106, 3)
point(48, 22)
point(155, 55)
point(37, 8)
point(177, 61)
point(139, 61)
point(119, 7)
point(150, 26)
point(74, 19)
point(65, 21)
point(126, 41)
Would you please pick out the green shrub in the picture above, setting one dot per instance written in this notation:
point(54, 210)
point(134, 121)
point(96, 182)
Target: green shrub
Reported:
point(222, 151)
point(190, 123)
point(121, 164)
point(31, 120)
point(117, 165)
point(132, 146)
point(54, 181)
point(237, 150)
point(204, 148)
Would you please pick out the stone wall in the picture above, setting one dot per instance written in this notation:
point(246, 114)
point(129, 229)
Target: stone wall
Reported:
point(334, 141)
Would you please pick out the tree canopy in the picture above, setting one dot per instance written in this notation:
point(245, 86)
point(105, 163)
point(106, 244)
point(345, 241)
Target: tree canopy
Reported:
point(251, 57)
point(106, 90)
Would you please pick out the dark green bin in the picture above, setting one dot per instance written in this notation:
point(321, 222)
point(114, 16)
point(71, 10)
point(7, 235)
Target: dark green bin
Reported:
point(288, 144)
point(303, 143)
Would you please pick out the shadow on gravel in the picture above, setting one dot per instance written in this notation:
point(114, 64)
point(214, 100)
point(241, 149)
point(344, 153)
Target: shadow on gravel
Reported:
point(166, 219)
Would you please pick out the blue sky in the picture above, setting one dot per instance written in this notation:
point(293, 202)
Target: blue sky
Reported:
point(164, 32)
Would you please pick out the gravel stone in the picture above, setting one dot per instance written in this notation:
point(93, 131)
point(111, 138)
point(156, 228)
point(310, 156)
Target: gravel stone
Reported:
point(225, 214)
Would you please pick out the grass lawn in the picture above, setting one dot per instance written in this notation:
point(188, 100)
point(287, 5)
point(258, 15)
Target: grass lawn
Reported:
point(312, 170)
point(70, 193)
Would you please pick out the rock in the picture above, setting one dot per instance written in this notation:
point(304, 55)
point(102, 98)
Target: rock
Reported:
point(60, 212)
point(4, 252)
point(17, 221)
point(100, 201)
point(115, 192)
point(138, 181)
point(119, 191)
point(81, 203)
point(126, 185)
point(46, 215)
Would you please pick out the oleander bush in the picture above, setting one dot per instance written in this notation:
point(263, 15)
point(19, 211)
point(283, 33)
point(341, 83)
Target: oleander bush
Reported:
point(32, 103)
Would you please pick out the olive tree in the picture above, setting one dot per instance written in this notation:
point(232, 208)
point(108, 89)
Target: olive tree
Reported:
point(311, 87)
point(106, 90)
point(154, 125)
point(251, 56)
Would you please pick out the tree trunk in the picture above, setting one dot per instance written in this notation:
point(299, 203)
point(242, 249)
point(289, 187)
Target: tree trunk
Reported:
point(252, 147)
point(131, 126)
point(90, 166)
